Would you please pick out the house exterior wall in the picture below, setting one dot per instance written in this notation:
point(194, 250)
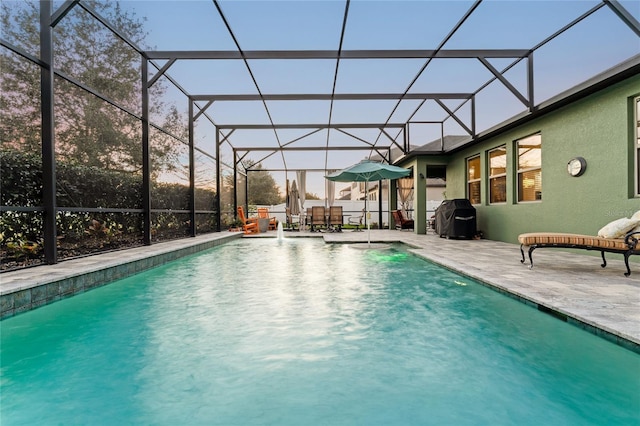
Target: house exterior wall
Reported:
point(422, 210)
point(600, 128)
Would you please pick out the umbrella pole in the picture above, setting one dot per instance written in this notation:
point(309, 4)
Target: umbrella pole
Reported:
point(366, 212)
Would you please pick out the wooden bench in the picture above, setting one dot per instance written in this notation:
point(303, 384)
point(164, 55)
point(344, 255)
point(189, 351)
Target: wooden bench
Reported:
point(626, 246)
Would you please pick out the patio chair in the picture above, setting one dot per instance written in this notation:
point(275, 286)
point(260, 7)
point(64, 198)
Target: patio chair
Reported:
point(249, 225)
point(318, 217)
point(357, 221)
point(263, 213)
point(335, 218)
point(401, 221)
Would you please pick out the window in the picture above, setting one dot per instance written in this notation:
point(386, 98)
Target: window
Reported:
point(637, 115)
point(498, 175)
point(473, 179)
point(530, 168)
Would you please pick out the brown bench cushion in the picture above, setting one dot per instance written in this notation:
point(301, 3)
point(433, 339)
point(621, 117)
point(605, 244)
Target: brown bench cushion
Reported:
point(551, 238)
point(586, 242)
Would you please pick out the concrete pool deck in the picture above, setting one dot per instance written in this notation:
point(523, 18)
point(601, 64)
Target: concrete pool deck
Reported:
point(570, 285)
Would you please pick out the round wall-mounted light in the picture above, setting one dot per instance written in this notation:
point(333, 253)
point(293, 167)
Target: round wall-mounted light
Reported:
point(576, 166)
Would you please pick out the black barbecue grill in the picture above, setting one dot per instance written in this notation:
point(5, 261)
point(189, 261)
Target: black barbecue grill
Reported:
point(456, 219)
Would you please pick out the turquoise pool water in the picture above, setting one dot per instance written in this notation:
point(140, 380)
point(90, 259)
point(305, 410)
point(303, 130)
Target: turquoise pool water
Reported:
point(297, 332)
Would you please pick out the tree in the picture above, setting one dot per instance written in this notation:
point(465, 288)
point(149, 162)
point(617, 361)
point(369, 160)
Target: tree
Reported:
point(262, 186)
point(89, 130)
point(20, 122)
point(263, 189)
point(310, 196)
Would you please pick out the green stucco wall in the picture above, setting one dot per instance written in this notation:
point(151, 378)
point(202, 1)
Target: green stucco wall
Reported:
point(419, 165)
point(598, 128)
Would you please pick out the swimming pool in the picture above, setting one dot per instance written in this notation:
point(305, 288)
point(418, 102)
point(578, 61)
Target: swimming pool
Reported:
point(300, 332)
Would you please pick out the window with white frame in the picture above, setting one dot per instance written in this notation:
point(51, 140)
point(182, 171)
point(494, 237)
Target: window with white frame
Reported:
point(473, 179)
point(529, 152)
point(498, 175)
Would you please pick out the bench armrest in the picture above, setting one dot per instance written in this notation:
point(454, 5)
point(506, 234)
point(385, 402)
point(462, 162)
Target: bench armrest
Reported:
point(632, 239)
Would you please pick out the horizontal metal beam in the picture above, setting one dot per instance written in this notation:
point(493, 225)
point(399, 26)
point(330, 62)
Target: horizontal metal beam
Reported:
point(287, 170)
point(623, 14)
point(62, 11)
point(304, 148)
point(310, 126)
point(97, 210)
point(21, 209)
point(335, 54)
point(21, 52)
point(328, 96)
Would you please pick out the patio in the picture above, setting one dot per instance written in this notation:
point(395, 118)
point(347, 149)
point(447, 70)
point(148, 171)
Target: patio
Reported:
point(570, 286)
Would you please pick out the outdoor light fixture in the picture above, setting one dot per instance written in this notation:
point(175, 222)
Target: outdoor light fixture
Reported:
point(421, 176)
point(576, 166)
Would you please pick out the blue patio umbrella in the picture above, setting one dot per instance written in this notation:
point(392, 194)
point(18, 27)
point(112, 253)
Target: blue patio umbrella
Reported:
point(366, 171)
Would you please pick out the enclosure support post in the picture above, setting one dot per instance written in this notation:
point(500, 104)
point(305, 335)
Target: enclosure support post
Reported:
point(420, 198)
point(235, 182)
point(218, 183)
point(530, 82)
point(246, 191)
point(192, 175)
point(473, 116)
point(146, 161)
point(392, 200)
point(48, 134)
point(405, 139)
point(379, 204)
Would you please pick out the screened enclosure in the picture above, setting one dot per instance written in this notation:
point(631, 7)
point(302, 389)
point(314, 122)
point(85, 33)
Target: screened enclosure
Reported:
point(129, 123)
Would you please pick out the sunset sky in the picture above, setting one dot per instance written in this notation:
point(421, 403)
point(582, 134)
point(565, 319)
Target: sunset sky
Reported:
point(592, 46)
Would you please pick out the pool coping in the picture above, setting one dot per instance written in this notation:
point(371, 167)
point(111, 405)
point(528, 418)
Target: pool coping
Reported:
point(612, 335)
point(27, 289)
point(567, 285)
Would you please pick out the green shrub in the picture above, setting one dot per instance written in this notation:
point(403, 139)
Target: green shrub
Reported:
point(21, 185)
